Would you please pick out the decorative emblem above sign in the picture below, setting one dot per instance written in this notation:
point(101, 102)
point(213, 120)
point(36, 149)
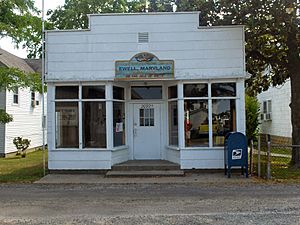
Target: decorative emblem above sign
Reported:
point(144, 66)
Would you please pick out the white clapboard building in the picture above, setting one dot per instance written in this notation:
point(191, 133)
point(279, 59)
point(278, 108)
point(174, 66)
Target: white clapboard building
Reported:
point(23, 105)
point(146, 86)
point(275, 113)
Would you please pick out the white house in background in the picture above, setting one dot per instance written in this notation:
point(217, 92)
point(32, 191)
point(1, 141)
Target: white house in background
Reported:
point(143, 87)
point(275, 114)
point(23, 104)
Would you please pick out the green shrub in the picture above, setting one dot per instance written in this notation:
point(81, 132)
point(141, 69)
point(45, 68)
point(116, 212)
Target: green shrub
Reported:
point(21, 144)
point(252, 115)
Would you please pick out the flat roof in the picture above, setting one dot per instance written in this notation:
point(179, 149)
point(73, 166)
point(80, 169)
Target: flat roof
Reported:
point(143, 13)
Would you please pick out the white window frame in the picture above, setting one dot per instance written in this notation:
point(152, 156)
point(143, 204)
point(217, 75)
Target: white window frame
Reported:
point(266, 114)
point(209, 98)
point(79, 100)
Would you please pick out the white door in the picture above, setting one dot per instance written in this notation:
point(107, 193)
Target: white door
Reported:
point(146, 131)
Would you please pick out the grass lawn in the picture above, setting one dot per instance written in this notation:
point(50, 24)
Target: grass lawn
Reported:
point(22, 170)
point(280, 168)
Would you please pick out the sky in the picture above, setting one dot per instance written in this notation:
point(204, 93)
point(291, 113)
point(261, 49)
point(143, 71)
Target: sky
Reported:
point(6, 43)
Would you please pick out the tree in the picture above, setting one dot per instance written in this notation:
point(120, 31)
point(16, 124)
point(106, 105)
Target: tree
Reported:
point(18, 20)
point(73, 14)
point(272, 44)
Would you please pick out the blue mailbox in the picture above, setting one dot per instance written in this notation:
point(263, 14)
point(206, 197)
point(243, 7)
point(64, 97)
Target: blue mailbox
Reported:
point(235, 152)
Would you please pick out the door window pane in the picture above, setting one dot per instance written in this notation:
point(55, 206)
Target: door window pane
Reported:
point(224, 119)
point(147, 117)
point(223, 90)
point(173, 123)
point(146, 92)
point(195, 90)
point(94, 124)
point(66, 92)
point(66, 125)
point(196, 124)
point(93, 92)
point(119, 123)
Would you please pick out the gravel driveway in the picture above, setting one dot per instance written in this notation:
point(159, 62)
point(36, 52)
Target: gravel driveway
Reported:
point(144, 204)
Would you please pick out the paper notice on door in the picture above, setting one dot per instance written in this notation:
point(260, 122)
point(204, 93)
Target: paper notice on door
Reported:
point(119, 127)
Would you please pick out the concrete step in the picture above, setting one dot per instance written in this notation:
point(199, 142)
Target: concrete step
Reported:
point(148, 173)
point(145, 165)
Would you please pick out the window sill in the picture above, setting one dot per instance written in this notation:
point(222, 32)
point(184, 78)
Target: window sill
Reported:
point(173, 147)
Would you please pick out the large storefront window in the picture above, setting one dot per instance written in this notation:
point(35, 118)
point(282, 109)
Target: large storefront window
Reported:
point(67, 125)
point(119, 116)
point(208, 112)
point(92, 130)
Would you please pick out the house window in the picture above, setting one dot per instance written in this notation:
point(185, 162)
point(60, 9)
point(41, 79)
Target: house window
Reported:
point(33, 103)
point(119, 116)
point(208, 109)
point(267, 110)
point(16, 95)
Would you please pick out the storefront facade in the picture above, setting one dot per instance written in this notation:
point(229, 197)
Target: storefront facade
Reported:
point(143, 87)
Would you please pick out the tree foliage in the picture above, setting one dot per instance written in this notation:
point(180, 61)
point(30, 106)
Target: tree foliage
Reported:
point(19, 20)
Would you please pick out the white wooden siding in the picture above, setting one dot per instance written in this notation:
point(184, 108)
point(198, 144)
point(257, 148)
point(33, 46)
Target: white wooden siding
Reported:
point(79, 159)
point(2, 126)
point(280, 125)
point(173, 155)
point(198, 53)
point(202, 159)
point(119, 156)
point(27, 121)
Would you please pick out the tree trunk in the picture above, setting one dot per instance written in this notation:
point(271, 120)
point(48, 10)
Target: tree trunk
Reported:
point(294, 71)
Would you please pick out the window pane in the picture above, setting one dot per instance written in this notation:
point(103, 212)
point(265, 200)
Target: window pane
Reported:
point(173, 123)
point(94, 124)
point(118, 93)
point(119, 123)
point(224, 119)
point(196, 123)
point(172, 92)
point(93, 92)
point(66, 92)
point(223, 90)
point(149, 92)
point(66, 125)
point(195, 90)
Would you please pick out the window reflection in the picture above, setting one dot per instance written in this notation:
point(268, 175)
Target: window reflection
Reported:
point(146, 92)
point(196, 123)
point(224, 119)
point(195, 90)
point(223, 90)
